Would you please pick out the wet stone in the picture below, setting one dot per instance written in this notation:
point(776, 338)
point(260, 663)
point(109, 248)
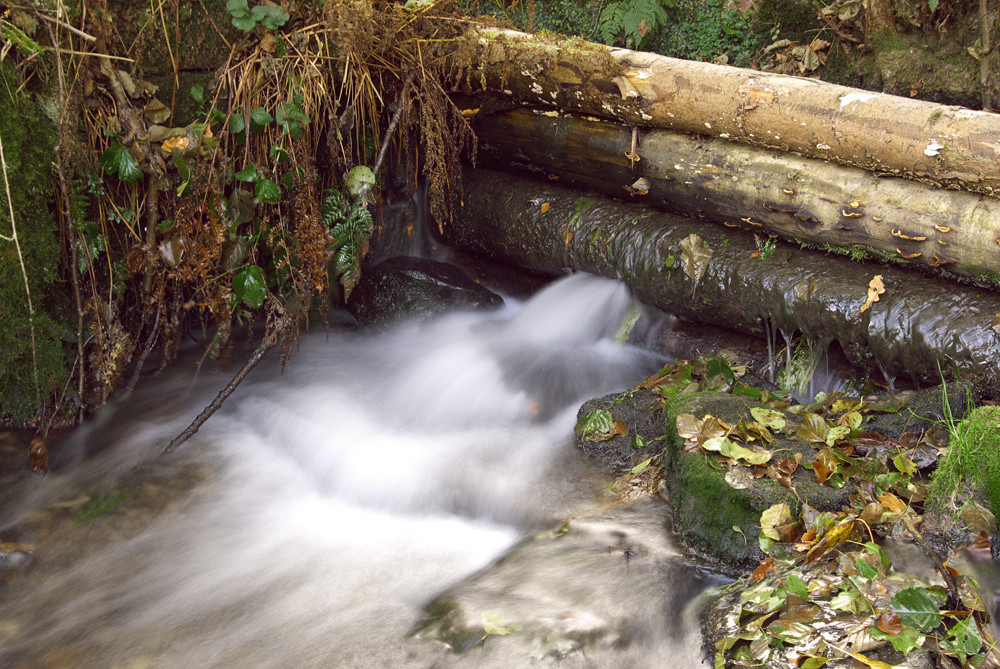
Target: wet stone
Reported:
point(405, 287)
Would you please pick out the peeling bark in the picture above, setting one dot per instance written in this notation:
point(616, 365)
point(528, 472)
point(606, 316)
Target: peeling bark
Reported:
point(918, 327)
point(939, 144)
point(798, 198)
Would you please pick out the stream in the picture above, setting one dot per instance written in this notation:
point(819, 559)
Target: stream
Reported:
point(311, 521)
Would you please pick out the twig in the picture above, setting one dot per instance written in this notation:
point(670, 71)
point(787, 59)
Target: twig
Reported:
point(145, 353)
point(24, 274)
point(75, 31)
point(67, 198)
point(266, 345)
point(392, 125)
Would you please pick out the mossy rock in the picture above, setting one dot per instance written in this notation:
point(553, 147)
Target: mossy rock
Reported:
point(28, 142)
point(707, 507)
point(708, 499)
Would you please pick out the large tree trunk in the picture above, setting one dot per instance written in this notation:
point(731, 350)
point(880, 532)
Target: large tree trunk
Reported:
point(916, 327)
point(801, 199)
point(940, 144)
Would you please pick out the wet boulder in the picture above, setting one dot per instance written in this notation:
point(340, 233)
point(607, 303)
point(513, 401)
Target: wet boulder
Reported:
point(404, 287)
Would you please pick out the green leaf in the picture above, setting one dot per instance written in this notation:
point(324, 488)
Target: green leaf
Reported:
point(291, 118)
point(198, 93)
point(278, 154)
point(797, 586)
point(964, 638)
point(917, 608)
point(237, 124)
point(638, 441)
point(248, 174)
point(865, 570)
point(359, 181)
point(249, 287)
point(906, 641)
point(496, 624)
point(260, 117)
point(117, 160)
point(271, 18)
point(641, 467)
point(267, 191)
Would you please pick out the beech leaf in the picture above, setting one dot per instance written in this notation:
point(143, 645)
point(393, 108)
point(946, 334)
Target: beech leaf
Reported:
point(695, 254)
point(917, 608)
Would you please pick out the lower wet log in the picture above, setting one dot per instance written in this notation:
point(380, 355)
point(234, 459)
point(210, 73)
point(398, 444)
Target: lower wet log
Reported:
point(918, 326)
point(798, 198)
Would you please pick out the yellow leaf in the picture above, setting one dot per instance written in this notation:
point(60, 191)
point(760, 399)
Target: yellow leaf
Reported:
point(875, 288)
point(176, 144)
point(545, 207)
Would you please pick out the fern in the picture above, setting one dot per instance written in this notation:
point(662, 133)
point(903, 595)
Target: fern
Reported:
point(18, 38)
point(351, 225)
point(635, 20)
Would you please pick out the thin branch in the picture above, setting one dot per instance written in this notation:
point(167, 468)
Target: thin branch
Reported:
point(75, 31)
point(270, 339)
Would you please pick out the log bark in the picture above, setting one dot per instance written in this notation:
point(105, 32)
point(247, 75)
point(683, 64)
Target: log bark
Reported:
point(918, 327)
point(939, 144)
point(801, 199)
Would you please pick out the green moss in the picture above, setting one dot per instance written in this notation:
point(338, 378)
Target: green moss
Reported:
point(28, 140)
point(972, 458)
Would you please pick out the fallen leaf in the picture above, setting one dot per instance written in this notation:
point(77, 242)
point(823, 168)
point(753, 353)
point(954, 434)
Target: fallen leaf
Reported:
point(875, 288)
point(890, 623)
point(545, 207)
point(38, 455)
point(176, 144)
point(695, 254)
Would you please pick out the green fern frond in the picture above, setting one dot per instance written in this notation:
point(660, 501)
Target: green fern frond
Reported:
point(635, 19)
point(16, 36)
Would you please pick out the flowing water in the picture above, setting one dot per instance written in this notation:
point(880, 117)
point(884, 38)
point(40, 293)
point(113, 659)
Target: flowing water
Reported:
point(313, 518)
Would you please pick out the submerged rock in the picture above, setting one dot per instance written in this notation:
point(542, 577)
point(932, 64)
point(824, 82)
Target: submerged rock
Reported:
point(404, 287)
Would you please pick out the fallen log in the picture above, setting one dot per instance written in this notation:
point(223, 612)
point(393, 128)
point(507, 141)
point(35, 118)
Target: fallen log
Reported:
point(940, 144)
point(916, 327)
point(801, 199)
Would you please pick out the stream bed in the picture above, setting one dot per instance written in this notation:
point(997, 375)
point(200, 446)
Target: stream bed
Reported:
point(312, 520)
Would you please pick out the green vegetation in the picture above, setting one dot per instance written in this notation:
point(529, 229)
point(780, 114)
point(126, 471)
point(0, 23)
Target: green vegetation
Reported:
point(28, 343)
point(102, 505)
point(972, 459)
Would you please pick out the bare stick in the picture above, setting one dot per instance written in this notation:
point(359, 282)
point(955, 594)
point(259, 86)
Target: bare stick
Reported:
point(269, 341)
point(392, 126)
point(145, 353)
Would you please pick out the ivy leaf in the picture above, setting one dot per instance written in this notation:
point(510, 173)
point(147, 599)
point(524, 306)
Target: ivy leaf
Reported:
point(198, 93)
point(599, 425)
point(278, 153)
point(271, 18)
point(237, 124)
point(695, 254)
point(240, 12)
point(248, 174)
point(117, 160)
point(260, 118)
point(917, 608)
point(267, 191)
point(359, 181)
point(249, 287)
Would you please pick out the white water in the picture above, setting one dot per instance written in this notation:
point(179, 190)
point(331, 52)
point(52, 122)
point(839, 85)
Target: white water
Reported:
point(375, 473)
